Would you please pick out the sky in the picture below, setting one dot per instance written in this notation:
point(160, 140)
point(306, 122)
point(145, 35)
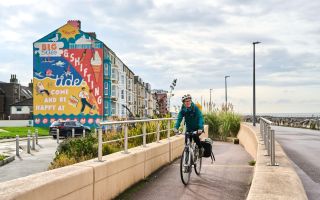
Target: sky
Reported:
point(197, 42)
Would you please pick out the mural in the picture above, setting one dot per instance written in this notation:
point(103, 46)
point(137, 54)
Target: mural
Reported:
point(68, 77)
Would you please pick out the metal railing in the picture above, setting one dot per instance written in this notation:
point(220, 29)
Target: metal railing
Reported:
point(144, 134)
point(268, 139)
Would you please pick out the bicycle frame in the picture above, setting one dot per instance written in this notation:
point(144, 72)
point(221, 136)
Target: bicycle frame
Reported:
point(190, 146)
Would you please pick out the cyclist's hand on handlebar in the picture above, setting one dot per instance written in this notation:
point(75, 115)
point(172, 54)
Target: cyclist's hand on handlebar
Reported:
point(199, 131)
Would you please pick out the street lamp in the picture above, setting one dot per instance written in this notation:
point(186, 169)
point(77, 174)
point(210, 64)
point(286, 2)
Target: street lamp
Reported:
point(226, 90)
point(210, 106)
point(254, 82)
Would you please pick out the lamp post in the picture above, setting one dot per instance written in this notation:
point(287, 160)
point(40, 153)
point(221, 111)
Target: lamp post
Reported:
point(210, 106)
point(226, 90)
point(254, 82)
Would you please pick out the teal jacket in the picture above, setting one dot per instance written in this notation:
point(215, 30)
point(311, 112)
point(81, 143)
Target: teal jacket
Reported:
point(193, 118)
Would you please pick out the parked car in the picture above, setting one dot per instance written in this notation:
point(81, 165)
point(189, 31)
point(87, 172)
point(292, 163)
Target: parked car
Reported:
point(65, 129)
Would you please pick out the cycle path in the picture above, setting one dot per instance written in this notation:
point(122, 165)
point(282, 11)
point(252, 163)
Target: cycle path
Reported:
point(227, 178)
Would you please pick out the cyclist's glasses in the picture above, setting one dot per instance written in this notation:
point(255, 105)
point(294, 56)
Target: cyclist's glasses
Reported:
point(187, 101)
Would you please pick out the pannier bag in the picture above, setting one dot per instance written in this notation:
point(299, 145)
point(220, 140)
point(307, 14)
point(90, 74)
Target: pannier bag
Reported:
point(207, 146)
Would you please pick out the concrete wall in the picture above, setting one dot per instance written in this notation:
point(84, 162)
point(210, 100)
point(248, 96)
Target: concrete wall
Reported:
point(93, 180)
point(13, 123)
point(270, 182)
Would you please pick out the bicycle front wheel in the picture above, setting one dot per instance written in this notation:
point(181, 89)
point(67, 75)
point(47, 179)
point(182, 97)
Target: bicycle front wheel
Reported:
point(198, 165)
point(185, 167)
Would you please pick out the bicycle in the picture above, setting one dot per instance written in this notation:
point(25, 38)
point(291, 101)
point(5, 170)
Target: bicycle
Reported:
point(190, 157)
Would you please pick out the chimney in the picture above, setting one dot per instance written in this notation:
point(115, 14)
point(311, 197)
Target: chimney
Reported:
point(75, 23)
point(12, 78)
point(92, 34)
point(31, 85)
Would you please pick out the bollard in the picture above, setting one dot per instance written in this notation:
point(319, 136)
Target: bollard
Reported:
point(28, 144)
point(17, 145)
point(83, 133)
point(37, 135)
point(269, 141)
point(158, 131)
point(144, 129)
point(261, 125)
point(126, 139)
point(72, 132)
point(33, 142)
point(267, 144)
point(100, 144)
point(168, 134)
point(58, 136)
point(273, 152)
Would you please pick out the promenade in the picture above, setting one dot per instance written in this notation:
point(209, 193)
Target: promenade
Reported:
point(227, 178)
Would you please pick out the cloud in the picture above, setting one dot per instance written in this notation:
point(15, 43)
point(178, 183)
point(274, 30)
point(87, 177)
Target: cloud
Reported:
point(198, 43)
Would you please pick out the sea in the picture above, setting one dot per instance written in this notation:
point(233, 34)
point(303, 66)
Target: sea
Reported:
point(304, 115)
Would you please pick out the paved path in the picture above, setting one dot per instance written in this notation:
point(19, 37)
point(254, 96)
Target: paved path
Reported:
point(228, 178)
point(26, 164)
point(303, 147)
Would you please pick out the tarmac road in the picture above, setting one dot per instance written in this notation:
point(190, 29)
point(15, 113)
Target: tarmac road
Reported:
point(228, 178)
point(303, 147)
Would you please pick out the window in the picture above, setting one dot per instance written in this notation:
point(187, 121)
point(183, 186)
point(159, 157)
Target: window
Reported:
point(129, 96)
point(122, 111)
point(122, 79)
point(114, 74)
point(105, 66)
point(19, 109)
point(113, 109)
point(105, 88)
point(114, 91)
point(122, 94)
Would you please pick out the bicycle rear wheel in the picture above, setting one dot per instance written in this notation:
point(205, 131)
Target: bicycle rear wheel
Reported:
point(185, 167)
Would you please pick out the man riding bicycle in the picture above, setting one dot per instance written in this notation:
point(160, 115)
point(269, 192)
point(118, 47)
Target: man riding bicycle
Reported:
point(193, 119)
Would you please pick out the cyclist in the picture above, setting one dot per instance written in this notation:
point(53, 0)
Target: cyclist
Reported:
point(193, 119)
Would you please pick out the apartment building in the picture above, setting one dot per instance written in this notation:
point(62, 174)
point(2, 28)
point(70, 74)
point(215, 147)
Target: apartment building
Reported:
point(77, 76)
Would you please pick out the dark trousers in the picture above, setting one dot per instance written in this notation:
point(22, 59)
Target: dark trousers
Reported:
point(196, 139)
point(84, 104)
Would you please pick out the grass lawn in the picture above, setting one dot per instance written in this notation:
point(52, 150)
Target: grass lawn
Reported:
point(22, 131)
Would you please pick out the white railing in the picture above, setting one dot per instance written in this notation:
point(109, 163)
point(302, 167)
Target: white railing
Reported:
point(125, 124)
point(267, 135)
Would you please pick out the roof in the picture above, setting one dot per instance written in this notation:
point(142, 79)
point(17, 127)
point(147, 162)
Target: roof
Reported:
point(26, 92)
point(26, 102)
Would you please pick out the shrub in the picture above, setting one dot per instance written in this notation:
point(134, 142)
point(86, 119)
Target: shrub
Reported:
point(2, 157)
point(73, 150)
point(222, 124)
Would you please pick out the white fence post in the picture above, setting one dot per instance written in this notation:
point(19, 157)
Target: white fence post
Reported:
point(100, 144)
point(158, 131)
point(144, 129)
point(126, 139)
point(169, 127)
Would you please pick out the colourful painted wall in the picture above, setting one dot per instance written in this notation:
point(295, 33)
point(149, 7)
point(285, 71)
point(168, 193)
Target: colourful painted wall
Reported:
point(68, 77)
